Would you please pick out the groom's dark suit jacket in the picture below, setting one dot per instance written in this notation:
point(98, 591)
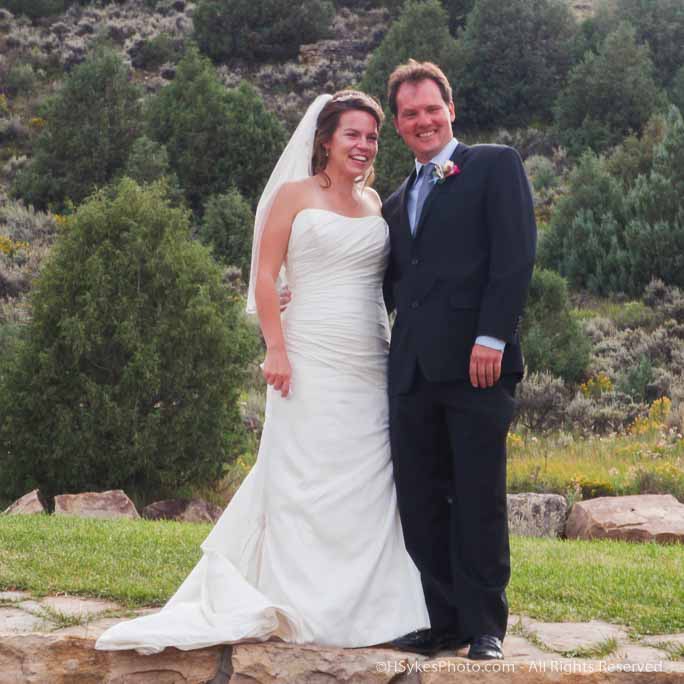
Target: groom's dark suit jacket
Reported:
point(466, 272)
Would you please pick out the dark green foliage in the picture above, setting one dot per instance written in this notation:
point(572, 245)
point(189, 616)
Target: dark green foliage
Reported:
point(214, 137)
point(34, 9)
point(458, 13)
point(608, 94)
point(633, 157)
point(677, 90)
point(156, 51)
point(91, 125)
point(660, 23)
point(635, 380)
point(514, 57)
point(227, 226)
point(607, 241)
point(654, 235)
point(147, 162)
point(21, 79)
point(130, 373)
point(582, 227)
point(420, 33)
point(551, 338)
point(259, 29)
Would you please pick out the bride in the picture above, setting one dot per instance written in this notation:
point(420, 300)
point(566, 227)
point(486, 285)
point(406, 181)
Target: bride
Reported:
point(310, 548)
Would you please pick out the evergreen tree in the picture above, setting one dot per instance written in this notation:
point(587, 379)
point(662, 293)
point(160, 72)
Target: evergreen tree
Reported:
point(90, 126)
point(608, 94)
point(552, 339)
point(131, 370)
point(660, 23)
point(214, 137)
point(259, 29)
point(654, 236)
point(458, 13)
point(515, 56)
point(227, 226)
point(584, 227)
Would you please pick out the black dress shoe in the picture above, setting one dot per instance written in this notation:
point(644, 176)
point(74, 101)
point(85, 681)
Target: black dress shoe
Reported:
point(428, 642)
point(485, 647)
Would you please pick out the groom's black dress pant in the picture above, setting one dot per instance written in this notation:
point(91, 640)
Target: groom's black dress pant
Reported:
point(449, 453)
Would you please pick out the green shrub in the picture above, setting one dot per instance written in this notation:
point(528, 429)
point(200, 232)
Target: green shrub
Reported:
point(35, 9)
point(134, 357)
point(660, 23)
point(633, 157)
point(458, 13)
point(677, 90)
point(259, 29)
point(583, 226)
point(654, 236)
point(21, 79)
point(156, 51)
point(214, 137)
point(515, 56)
point(635, 379)
point(552, 339)
point(227, 226)
point(608, 94)
point(91, 125)
point(542, 173)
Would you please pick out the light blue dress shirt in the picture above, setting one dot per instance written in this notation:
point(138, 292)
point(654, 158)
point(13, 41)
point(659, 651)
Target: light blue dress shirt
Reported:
point(441, 158)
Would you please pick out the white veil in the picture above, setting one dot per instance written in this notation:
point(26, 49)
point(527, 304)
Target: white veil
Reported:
point(294, 164)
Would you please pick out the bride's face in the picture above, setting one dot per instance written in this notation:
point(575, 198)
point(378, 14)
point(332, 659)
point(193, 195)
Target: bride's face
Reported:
point(354, 144)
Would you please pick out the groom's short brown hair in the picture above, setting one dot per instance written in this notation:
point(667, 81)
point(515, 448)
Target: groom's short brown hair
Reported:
point(413, 72)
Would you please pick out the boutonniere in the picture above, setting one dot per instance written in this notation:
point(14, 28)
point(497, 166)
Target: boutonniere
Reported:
point(443, 171)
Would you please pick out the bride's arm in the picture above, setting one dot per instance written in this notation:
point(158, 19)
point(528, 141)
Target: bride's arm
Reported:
point(272, 252)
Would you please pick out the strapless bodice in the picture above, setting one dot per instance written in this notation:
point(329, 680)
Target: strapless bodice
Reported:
point(335, 267)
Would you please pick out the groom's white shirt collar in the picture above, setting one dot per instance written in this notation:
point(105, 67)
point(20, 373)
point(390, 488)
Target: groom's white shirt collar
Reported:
point(442, 157)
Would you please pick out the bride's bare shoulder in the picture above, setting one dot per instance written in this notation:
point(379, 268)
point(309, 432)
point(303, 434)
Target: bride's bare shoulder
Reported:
point(373, 199)
point(298, 194)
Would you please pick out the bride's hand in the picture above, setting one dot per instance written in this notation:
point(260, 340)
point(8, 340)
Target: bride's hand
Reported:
point(277, 371)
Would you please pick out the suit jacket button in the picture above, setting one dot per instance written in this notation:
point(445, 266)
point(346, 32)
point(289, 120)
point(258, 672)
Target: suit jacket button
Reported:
point(414, 304)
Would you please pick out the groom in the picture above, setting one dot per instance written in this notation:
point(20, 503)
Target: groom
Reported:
point(463, 237)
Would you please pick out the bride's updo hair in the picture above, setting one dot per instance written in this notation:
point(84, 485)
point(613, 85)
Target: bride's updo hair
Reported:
point(329, 120)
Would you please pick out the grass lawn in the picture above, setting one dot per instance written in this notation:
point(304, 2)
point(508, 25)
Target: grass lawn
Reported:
point(143, 562)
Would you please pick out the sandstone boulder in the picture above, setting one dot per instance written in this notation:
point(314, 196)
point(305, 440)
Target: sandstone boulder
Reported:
point(184, 510)
point(277, 663)
point(42, 658)
point(537, 515)
point(105, 505)
point(29, 503)
point(641, 517)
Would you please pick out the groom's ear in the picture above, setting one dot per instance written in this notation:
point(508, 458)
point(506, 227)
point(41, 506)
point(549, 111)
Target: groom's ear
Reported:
point(452, 111)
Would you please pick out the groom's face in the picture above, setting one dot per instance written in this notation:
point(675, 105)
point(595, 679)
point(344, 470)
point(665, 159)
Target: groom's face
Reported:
point(423, 119)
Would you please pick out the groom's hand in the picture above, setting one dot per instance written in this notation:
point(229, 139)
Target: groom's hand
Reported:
point(284, 296)
point(485, 366)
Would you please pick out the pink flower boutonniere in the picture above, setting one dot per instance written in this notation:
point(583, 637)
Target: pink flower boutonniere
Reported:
point(443, 171)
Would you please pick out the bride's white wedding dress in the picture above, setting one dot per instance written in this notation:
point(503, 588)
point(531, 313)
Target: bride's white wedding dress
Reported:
point(310, 548)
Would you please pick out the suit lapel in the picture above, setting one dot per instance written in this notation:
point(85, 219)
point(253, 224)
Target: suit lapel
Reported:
point(457, 157)
point(403, 199)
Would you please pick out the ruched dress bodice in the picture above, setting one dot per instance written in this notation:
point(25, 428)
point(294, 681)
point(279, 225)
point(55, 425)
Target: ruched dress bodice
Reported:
point(337, 318)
